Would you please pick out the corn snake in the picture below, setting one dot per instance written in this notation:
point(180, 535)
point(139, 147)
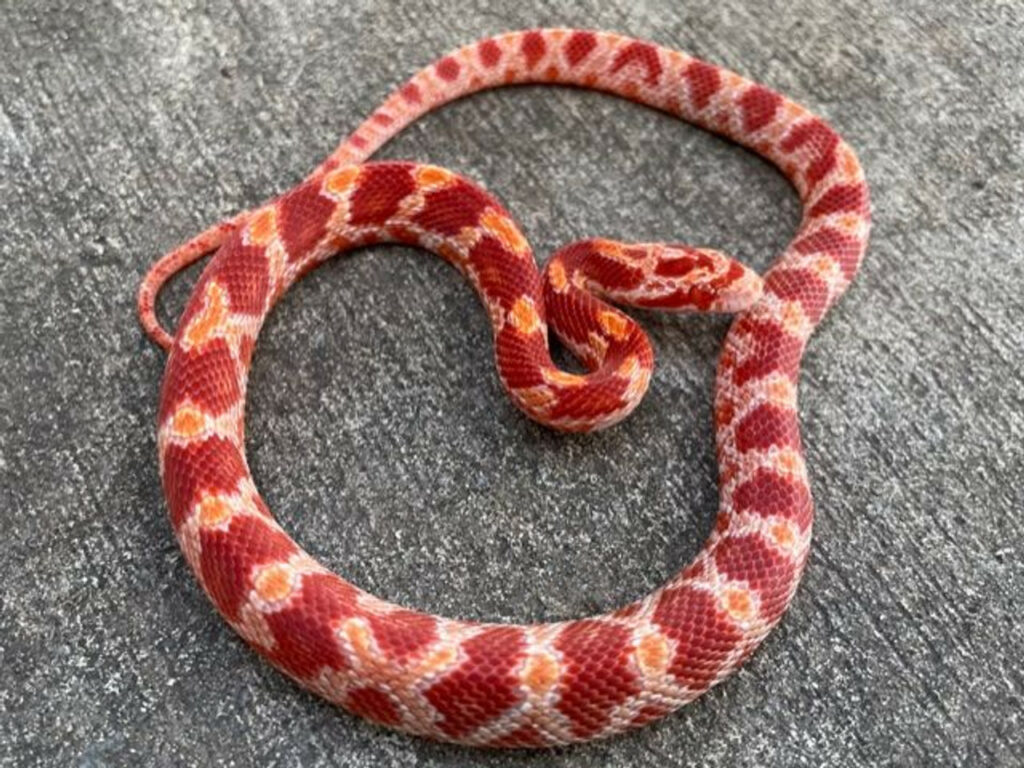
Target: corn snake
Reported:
point(493, 684)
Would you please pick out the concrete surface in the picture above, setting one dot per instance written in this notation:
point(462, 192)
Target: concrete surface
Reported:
point(377, 429)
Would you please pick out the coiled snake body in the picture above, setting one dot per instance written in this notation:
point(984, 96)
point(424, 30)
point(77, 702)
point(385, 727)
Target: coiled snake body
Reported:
point(497, 684)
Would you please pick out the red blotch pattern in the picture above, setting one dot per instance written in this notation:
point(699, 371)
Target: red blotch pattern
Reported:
point(215, 389)
point(502, 276)
point(704, 82)
point(448, 209)
point(596, 676)
point(767, 425)
point(481, 689)
point(754, 561)
point(381, 189)
point(774, 351)
point(841, 198)
point(402, 633)
point(844, 248)
point(759, 105)
point(208, 466)
point(801, 285)
point(302, 219)
point(411, 93)
point(305, 639)
point(448, 68)
point(817, 138)
point(769, 493)
point(229, 556)
point(579, 46)
point(533, 48)
point(644, 54)
point(490, 53)
point(243, 274)
point(704, 635)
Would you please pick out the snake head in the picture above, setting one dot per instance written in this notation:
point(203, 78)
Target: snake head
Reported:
point(704, 280)
point(668, 277)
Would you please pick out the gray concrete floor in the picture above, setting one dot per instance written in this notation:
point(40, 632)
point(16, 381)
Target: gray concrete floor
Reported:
point(377, 428)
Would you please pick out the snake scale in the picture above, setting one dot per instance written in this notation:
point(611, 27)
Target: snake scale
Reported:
point(504, 685)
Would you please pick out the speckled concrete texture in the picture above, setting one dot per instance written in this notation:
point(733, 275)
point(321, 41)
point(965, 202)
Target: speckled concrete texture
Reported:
point(377, 428)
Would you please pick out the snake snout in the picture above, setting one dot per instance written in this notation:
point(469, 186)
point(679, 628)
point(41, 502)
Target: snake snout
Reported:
point(737, 287)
